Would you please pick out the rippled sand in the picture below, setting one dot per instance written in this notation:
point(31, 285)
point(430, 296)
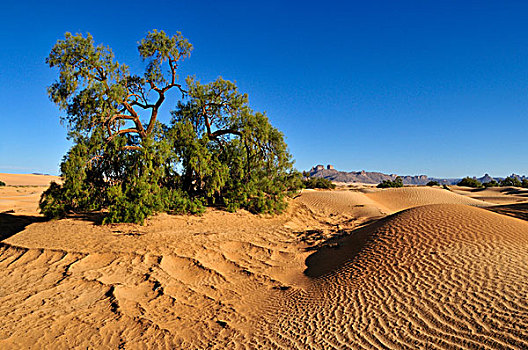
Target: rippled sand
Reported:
point(397, 268)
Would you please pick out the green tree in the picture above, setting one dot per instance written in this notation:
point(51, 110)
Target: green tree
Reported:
point(470, 182)
point(398, 182)
point(230, 154)
point(318, 182)
point(433, 183)
point(511, 181)
point(215, 151)
point(491, 183)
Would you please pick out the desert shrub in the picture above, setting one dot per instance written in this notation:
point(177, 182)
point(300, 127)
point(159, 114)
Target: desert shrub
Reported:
point(491, 183)
point(433, 183)
point(318, 182)
point(2, 183)
point(52, 202)
point(398, 182)
point(524, 183)
point(470, 182)
point(511, 181)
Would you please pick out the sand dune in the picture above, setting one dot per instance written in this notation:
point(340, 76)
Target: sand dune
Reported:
point(338, 270)
point(23, 191)
point(439, 276)
point(397, 199)
point(497, 195)
point(27, 179)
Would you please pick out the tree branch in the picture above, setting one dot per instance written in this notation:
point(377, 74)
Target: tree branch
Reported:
point(218, 133)
point(123, 131)
point(134, 148)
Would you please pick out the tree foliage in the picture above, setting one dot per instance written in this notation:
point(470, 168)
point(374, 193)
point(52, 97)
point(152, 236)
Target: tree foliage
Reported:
point(470, 182)
point(318, 182)
point(491, 183)
point(398, 182)
point(511, 181)
point(215, 151)
point(433, 183)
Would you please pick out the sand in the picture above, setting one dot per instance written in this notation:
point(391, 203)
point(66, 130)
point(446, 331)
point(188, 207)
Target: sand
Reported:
point(497, 195)
point(358, 268)
point(22, 193)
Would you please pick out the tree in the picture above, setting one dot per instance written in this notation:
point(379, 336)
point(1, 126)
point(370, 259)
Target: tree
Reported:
point(95, 91)
point(318, 182)
point(433, 183)
point(511, 181)
point(491, 183)
point(215, 151)
point(230, 153)
point(470, 182)
point(398, 182)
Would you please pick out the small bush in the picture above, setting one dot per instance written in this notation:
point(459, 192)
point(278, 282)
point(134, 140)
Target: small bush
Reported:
point(433, 183)
point(318, 182)
point(2, 183)
point(398, 182)
point(524, 183)
point(511, 181)
point(470, 182)
point(52, 203)
point(492, 183)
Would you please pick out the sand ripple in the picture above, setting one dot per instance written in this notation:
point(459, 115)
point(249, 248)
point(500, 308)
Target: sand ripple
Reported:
point(333, 272)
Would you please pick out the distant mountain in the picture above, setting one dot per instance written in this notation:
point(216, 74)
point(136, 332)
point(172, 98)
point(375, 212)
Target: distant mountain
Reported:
point(367, 177)
point(486, 178)
point(370, 177)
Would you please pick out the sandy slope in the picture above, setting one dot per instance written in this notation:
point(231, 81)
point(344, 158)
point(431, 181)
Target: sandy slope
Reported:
point(333, 272)
point(439, 276)
point(497, 195)
point(27, 179)
point(397, 199)
point(22, 193)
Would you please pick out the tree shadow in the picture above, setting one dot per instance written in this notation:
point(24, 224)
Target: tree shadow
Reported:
point(519, 210)
point(95, 218)
point(340, 249)
point(12, 224)
point(504, 190)
point(515, 191)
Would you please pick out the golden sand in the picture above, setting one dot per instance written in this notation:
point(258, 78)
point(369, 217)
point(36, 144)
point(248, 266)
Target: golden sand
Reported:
point(364, 268)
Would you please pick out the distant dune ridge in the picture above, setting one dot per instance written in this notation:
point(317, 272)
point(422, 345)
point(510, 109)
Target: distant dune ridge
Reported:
point(27, 179)
point(400, 268)
point(372, 177)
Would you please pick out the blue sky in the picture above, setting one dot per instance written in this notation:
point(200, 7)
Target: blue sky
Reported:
point(408, 87)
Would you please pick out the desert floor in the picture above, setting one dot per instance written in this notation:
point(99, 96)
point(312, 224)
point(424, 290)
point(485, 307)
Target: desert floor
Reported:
point(357, 267)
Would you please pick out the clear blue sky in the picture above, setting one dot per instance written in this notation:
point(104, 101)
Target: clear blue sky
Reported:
point(408, 87)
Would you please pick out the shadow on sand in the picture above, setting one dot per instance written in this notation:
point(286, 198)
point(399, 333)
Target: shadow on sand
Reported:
point(516, 191)
point(519, 211)
point(95, 218)
point(12, 224)
point(334, 252)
